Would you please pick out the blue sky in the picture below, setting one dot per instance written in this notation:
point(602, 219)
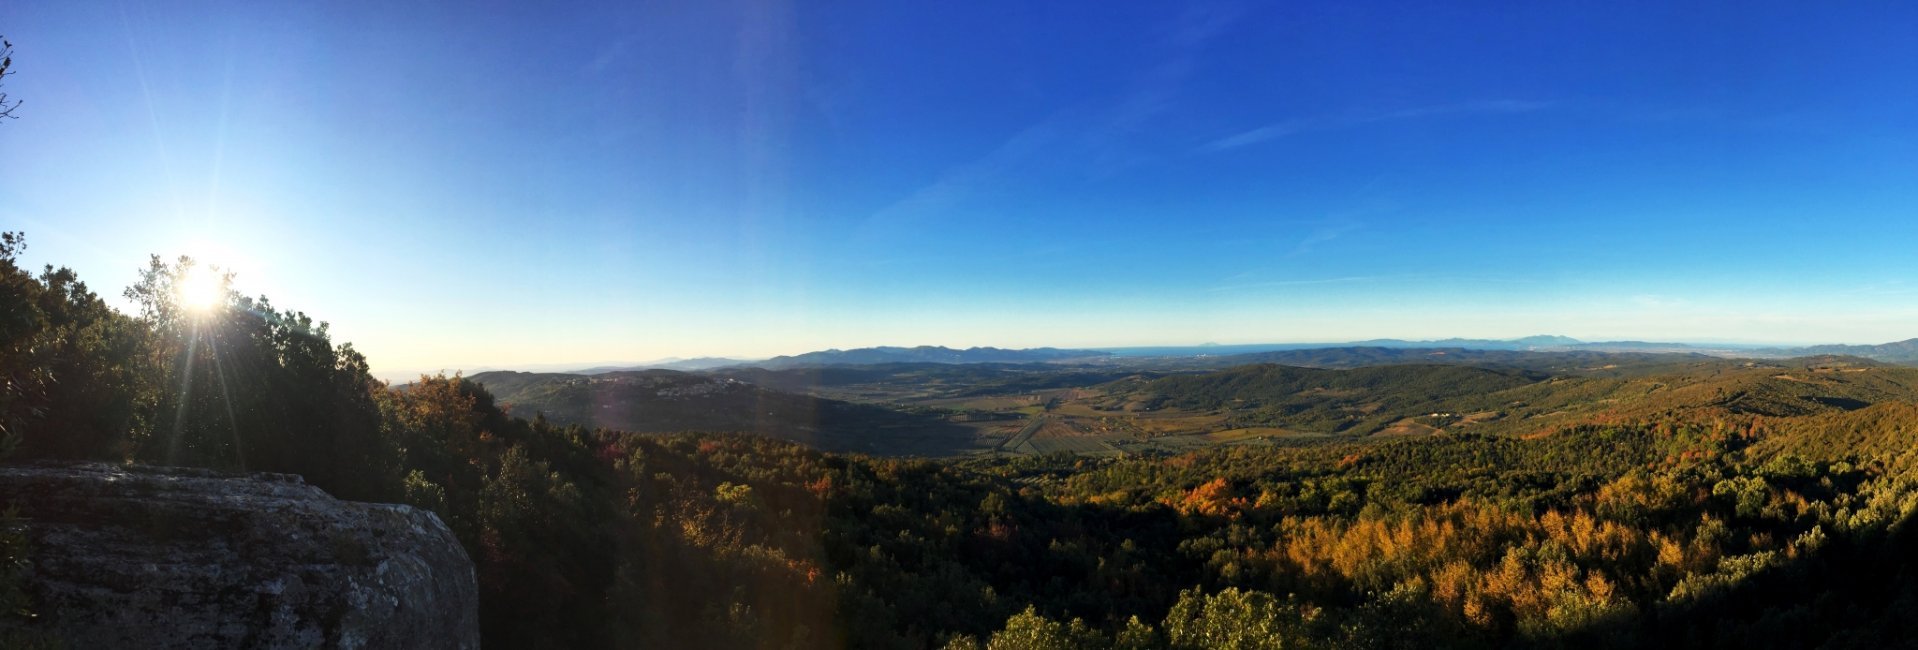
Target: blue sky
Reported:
point(458, 186)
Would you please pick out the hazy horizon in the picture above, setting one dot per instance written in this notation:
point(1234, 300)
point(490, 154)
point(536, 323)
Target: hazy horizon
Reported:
point(748, 179)
point(406, 374)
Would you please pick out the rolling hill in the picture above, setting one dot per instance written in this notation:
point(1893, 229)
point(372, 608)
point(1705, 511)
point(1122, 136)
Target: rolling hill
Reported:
point(1360, 400)
point(1565, 362)
point(942, 379)
point(1900, 352)
point(1517, 400)
point(925, 354)
point(929, 408)
point(700, 363)
point(662, 401)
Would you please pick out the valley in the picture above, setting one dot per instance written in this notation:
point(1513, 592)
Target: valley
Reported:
point(1158, 405)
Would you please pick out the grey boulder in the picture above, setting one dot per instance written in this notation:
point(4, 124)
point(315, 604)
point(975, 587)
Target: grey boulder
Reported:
point(146, 557)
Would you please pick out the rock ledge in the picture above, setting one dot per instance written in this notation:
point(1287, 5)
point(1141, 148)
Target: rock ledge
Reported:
point(147, 557)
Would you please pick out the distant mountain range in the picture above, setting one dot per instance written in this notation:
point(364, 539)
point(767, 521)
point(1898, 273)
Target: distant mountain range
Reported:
point(1904, 352)
point(1526, 343)
point(700, 363)
point(1372, 351)
point(1899, 352)
point(1529, 343)
point(926, 354)
point(1561, 361)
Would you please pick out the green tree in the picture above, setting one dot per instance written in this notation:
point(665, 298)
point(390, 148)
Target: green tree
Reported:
point(1028, 630)
point(1233, 619)
point(243, 385)
point(72, 366)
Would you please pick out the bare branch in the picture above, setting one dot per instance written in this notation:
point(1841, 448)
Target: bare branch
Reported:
point(6, 69)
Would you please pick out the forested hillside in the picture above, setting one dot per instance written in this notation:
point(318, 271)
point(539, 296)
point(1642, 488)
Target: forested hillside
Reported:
point(659, 401)
point(1726, 505)
point(1362, 400)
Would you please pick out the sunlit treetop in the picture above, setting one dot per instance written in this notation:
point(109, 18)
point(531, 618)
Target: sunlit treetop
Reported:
point(199, 288)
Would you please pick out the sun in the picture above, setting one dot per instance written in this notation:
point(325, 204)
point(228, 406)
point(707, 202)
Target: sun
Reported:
point(199, 289)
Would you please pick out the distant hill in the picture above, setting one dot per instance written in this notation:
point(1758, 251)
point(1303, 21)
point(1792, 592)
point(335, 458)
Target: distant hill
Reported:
point(664, 401)
point(700, 363)
point(1565, 362)
point(950, 378)
point(1544, 342)
point(1326, 355)
point(1525, 343)
point(925, 354)
point(1901, 352)
point(1359, 400)
point(1539, 342)
point(1385, 398)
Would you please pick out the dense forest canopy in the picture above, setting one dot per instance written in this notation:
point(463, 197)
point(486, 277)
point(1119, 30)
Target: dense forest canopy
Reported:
point(1734, 506)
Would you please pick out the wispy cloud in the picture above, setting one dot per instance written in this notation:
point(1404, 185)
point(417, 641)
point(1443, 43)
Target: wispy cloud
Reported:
point(1333, 122)
point(1655, 301)
point(1886, 288)
point(1095, 138)
point(1248, 281)
point(965, 180)
point(1153, 91)
point(1273, 284)
point(609, 55)
point(1325, 234)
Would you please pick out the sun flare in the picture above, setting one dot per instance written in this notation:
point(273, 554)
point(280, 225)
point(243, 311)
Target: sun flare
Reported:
point(199, 289)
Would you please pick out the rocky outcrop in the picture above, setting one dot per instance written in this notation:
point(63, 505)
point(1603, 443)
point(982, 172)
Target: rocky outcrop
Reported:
point(138, 557)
